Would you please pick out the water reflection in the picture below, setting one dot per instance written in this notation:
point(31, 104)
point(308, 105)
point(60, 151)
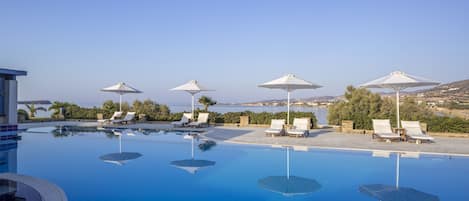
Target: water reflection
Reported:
point(289, 185)
point(192, 165)
point(120, 158)
point(395, 192)
point(66, 131)
point(8, 156)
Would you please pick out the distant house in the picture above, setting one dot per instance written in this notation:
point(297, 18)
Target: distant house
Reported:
point(8, 99)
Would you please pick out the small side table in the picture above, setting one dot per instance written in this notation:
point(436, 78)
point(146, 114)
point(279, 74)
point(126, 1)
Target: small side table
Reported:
point(401, 132)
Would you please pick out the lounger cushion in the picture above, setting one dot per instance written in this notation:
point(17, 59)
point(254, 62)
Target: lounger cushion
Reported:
point(274, 131)
point(184, 120)
point(388, 135)
point(197, 123)
point(277, 123)
point(297, 132)
point(382, 126)
point(421, 137)
point(413, 130)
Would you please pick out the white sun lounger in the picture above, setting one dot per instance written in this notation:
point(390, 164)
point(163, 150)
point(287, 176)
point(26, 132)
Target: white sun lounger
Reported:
point(113, 117)
point(382, 130)
point(130, 116)
point(184, 120)
point(276, 127)
point(413, 131)
point(300, 127)
point(202, 120)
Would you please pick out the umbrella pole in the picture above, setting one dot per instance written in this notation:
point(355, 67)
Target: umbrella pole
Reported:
point(288, 163)
point(288, 107)
point(397, 106)
point(120, 102)
point(193, 99)
point(397, 170)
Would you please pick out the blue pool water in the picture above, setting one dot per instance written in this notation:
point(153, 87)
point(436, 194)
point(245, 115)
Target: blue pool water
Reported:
point(235, 172)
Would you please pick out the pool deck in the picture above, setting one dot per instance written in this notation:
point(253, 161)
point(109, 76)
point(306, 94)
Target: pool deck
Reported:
point(319, 138)
point(48, 191)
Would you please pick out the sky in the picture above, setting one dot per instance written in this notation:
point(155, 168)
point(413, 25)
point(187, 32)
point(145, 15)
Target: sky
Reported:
point(72, 49)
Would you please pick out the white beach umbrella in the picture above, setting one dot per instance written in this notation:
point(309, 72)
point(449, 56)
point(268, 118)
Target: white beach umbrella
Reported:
point(121, 88)
point(399, 81)
point(192, 87)
point(289, 83)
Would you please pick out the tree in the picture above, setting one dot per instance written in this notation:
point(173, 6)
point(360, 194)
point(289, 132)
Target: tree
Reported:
point(33, 109)
point(206, 101)
point(151, 109)
point(360, 105)
point(59, 107)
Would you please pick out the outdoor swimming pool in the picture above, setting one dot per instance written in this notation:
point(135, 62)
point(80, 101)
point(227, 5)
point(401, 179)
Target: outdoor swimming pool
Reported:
point(158, 165)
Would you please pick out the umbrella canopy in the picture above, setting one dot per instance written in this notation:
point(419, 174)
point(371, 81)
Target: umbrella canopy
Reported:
point(121, 88)
point(120, 158)
point(391, 193)
point(192, 165)
point(289, 186)
point(399, 81)
point(289, 83)
point(193, 87)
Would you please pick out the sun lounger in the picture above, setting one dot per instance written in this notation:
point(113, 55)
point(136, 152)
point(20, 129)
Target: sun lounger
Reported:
point(382, 130)
point(202, 120)
point(184, 120)
point(129, 117)
point(413, 131)
point(276, 128)
point(300, 127)
point(113, 117)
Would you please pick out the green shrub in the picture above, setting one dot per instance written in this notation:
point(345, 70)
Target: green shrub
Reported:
point(447, 124)
point(361, 106)
point(22, 115)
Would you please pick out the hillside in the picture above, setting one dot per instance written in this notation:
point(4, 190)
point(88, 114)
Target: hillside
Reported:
point(451, 92)
point(455, 91)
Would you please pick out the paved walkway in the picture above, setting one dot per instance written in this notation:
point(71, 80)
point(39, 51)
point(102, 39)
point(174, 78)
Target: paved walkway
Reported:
point(319, 138)
point(327, 138)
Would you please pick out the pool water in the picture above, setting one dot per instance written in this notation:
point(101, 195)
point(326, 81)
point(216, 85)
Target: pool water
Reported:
point(161, 167)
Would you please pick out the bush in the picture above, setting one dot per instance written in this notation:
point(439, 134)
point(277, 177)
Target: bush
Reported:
point(260, 118)
point(447, 124)
point(361, 106)
point(153, 110)
point(22, 115)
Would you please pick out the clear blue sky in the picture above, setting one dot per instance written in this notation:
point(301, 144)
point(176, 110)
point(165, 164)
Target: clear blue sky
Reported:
point(72, 49)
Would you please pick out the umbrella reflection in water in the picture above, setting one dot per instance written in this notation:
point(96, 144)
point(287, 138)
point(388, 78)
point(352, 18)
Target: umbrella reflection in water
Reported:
point(289, 185)
point(120, 158)
point(384, 192)
point(192, 165)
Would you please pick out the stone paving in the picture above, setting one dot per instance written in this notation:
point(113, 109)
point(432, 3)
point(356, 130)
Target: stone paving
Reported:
point(327, 138)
